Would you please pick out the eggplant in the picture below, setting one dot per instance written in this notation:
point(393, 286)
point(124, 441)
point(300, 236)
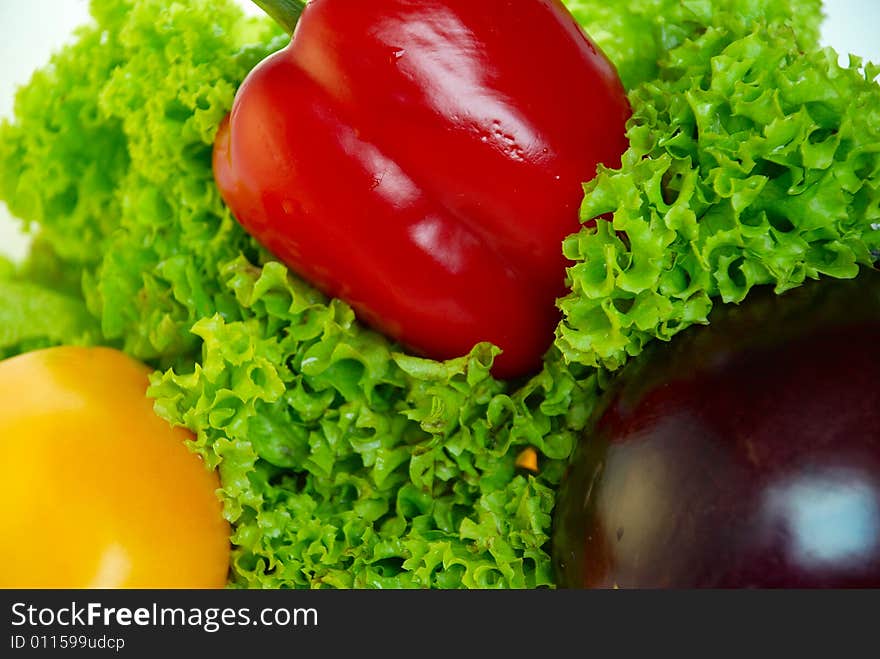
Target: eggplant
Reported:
point(741, 454)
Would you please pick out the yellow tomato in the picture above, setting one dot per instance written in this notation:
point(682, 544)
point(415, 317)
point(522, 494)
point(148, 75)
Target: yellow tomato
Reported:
point(95, 489)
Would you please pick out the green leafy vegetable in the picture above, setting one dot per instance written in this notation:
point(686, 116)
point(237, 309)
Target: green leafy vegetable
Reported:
point(33, 317)
point(639, 36)
point(41, 306)
point(345, 462)
point(110, 159)
point(751, 162)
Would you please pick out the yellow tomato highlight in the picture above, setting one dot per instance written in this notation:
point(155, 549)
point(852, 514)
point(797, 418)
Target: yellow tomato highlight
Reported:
point(96, 491)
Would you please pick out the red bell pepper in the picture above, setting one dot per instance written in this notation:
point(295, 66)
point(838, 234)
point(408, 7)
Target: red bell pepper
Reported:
point(423, 160)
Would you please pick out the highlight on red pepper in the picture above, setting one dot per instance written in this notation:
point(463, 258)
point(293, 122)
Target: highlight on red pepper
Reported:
point(423, 161)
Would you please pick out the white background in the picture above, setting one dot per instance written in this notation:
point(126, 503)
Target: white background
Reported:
point(31, 30)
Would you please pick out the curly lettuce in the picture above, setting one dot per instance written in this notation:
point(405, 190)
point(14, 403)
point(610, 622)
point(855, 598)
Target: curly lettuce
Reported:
point(42, 305)
point(346, 463)
point(752, 161)
point(639, 37)
point(109, 159)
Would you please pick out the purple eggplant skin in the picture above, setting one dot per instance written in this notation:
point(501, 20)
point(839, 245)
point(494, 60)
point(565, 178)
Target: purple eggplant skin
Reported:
point(741, 454)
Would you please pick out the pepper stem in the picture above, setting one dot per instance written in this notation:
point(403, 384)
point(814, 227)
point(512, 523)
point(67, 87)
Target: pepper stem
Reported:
point(284, 12)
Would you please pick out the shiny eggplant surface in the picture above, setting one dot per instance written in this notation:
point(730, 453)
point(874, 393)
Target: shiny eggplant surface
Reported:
point(745, 453)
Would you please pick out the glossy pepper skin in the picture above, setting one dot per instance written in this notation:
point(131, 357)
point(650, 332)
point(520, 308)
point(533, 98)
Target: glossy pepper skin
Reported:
point(423, 160)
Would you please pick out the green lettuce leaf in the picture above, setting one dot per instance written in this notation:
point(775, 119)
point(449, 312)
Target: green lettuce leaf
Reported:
point(41, 304)
point(110, 157)
point(33, 317)
point(638, 35)
point(751, 161)
point(346, 463)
